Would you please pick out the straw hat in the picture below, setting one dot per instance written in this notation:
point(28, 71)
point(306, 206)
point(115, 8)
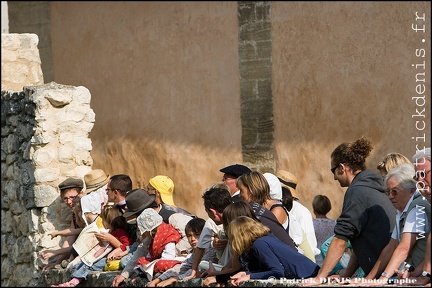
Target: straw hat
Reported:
point(95, 179)
point(289, 181)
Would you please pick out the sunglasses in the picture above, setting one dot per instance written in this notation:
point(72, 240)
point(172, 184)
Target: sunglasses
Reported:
point(333, 170)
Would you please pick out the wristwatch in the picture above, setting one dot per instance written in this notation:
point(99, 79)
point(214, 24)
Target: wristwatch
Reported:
point(426, 274)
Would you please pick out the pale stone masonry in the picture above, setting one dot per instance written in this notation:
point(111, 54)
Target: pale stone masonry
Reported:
point(21, 64)
point(45, 139)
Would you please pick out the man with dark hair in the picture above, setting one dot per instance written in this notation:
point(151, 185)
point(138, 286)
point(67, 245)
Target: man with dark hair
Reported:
point(216, 198)
point(118, 186)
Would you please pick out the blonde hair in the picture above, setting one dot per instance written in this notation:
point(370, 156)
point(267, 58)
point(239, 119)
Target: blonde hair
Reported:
point(243, 231)
point(109, 213)
point(257, 185)
point(391, 161)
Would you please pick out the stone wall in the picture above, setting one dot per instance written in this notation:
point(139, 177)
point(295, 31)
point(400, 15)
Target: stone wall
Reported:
point(44, 140)
point(21, 64)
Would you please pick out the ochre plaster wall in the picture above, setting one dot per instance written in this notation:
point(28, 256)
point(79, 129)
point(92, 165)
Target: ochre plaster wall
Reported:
point(342, 70)
point(164, 80)
point(174, 105)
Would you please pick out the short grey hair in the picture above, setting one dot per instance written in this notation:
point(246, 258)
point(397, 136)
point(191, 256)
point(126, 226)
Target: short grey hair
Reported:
point(404, 174)
point(423, 153)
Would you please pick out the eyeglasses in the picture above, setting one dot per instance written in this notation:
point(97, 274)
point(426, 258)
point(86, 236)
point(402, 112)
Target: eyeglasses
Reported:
point(393, 191)
point(333, 170)
point(66, 199)
point(421, 174)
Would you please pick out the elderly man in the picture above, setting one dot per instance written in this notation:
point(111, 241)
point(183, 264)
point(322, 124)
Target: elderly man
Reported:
point(408, 240)
point(422, 164)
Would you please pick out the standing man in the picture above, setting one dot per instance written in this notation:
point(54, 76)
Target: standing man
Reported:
point(367, 218)
point(231, 173)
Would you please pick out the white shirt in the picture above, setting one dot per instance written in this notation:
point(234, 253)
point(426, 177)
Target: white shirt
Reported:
point(415, 222)
point(206, 240)
point(304, 216)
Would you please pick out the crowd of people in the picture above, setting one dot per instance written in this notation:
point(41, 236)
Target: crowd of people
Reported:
point(257, 228)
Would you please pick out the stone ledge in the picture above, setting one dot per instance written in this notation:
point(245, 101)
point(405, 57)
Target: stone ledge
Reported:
point(105, 279)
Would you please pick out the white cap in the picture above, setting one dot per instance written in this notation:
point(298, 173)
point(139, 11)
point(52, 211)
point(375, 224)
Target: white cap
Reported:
point(148, 220)
point(275, 186)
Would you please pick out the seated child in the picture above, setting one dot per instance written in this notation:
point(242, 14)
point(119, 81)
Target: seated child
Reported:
point(180, 271)
point(117, 237)
point(162, 247)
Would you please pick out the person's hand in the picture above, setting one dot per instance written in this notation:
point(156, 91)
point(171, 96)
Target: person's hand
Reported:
point(211, 271)
point(209, 280)
point(166, 282)
point(47, 254)
point(193, 275)
point(49, 266)
point(239, 277)
point(153, 282)
point(116, 254)
point(53, 234)
point(103, 236)
point(117, 280)
point(219, 244)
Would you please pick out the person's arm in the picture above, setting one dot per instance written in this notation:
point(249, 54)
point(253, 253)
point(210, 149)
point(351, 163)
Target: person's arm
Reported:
point(427, 259)
point(169, 251)
point(116, 253)
point(107, 237)
point(46, 254)
point(400, 254)
point(352, 266)
point(280, 213)
point(334, 254)
point(65, 232)
point(141, 251)
point(198, 253)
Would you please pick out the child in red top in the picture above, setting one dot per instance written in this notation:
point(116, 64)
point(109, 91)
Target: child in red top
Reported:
point(118, 238)
point(161, 250)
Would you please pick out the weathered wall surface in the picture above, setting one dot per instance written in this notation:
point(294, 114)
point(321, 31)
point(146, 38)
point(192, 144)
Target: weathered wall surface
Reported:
point(339, 72)
point(165, 87)
point(342, 70)
point(21, 64)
